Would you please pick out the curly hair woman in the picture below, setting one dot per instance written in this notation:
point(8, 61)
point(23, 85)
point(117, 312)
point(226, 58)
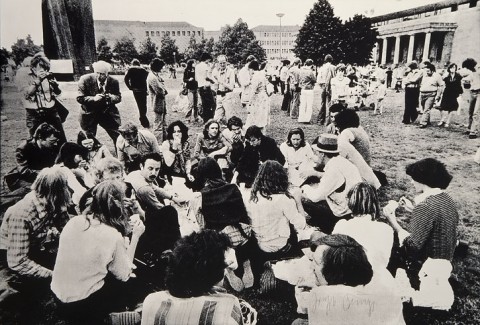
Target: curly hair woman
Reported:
point(176, 151)
point(196, 267)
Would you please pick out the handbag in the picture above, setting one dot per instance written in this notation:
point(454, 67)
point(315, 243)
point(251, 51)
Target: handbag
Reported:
point(61, 110)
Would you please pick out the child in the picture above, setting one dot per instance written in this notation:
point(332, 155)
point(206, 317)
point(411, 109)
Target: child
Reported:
point(381, 93)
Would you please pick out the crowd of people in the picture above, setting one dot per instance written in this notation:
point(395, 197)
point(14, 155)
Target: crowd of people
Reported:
point(167, 219)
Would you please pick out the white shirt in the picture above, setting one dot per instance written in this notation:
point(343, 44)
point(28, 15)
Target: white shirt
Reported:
point(201, 73)
point(295, 158)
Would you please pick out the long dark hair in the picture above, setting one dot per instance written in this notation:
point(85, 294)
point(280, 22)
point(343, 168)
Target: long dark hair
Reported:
point(208, 171)
point(271, 179)
point(207, 125)
point(294, 131)
point(183, 129)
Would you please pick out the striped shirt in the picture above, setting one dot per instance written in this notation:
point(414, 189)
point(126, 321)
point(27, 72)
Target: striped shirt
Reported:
point(161, 308)
point(26, 229)
point(433, 227)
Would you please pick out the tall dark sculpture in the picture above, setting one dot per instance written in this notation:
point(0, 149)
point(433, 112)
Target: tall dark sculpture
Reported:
point(68, 32)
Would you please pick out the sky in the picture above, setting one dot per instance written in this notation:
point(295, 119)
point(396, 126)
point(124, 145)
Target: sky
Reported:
point(18, 18)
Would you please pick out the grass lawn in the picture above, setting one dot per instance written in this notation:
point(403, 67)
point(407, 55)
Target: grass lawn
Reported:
point(393, 146)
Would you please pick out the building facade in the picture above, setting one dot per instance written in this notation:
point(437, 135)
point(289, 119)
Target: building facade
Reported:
point(278, 42)
point(442, 32)
point(115, 30)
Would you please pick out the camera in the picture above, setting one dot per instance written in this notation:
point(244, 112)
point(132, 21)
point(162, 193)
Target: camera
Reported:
point(50, 76)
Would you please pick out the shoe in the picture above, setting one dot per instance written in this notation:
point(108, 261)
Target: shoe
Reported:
point(472, 136)
point(423, 126)
point(446, 125)
point(441, 123)
point(466, 132)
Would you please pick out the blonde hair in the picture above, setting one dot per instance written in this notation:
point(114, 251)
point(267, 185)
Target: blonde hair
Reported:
point(51, 185)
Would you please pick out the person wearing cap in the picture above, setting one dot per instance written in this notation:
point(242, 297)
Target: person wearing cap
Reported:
point(307, 82)
point(324, 77)
point(136, 81)
point(326, 202)
point(39, 90)
point(412, 92)
point(132, 144)
point(98, 93)
point(224, 80)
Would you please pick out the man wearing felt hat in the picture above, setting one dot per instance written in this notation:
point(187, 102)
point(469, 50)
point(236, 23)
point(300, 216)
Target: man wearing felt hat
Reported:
point(98, 93)
point(326, 202)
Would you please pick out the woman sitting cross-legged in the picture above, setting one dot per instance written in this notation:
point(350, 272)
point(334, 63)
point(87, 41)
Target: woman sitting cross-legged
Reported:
point(196, 267)
point(276, 216)
point(94, 257)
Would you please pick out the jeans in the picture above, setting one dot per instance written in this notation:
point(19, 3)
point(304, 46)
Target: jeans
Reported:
point(325, 99)
point(427, 99)
point(192, 103)
point(295, 102)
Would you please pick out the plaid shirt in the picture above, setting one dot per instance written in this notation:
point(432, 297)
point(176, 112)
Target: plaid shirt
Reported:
point(26, 229)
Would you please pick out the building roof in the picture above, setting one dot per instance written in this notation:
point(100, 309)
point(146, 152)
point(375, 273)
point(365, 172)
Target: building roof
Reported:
point(418, 10)
point(275, 28)
point(174, 24)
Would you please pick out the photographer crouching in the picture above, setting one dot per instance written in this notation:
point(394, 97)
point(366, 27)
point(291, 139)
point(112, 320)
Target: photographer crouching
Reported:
point(40, 91)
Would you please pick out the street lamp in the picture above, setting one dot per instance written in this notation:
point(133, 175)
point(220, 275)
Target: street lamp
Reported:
point(280, 15)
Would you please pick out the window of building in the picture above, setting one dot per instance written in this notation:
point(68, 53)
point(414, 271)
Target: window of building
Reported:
point(163, 33)
point(183, 33)
point(188, 33)
point(454, 7)
point(152, 33)
point(168, 33)
point(158, 33)
point(173, 33)
point(472, 4)
point(199, 33)
point(147, 33)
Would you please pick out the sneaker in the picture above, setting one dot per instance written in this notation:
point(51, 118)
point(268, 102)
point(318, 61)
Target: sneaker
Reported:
point(441, 123)
point(423, 126)
point(446, 125)
point(472, 136)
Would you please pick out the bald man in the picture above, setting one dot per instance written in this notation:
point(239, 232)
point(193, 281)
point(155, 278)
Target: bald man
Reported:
point(98, 93)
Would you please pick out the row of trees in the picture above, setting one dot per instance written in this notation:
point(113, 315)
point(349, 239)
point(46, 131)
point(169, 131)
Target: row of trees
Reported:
point(324, 33)
point(237, 42)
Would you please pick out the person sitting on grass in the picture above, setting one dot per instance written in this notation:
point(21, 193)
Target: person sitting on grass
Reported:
point(347, 290)
point(332, 126)
point(194, 294)
point(30, 230)
point(433, 227)
point(96, 150)
point(94, 257)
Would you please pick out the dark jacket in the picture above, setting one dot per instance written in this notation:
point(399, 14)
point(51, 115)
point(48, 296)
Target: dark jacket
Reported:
point(31, 159)
point(88, 88)
point(136, 79)
point(190, 84)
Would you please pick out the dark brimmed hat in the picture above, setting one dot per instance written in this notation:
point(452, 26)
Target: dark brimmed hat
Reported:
point(326, 143)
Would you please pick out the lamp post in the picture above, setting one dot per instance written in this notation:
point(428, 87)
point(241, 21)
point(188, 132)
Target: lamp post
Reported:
point(280, 15)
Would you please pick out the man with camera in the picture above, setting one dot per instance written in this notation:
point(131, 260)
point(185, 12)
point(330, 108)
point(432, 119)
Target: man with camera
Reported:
point(40, 89)
point(98, 93)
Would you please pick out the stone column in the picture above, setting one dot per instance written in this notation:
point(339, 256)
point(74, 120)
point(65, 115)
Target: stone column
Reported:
point(396, 53)
point(411, 44)
point(383, 59)
point(426, 46)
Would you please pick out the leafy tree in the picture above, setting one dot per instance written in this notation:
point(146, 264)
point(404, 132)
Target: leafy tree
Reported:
point(104, 51)
point(125, 50)
point(148, 51)
point(321, 34)
point(237, 42)
point(360, 40)
point(190, 51)
point(23, 48)
point(168, 50)
point(4, 56)
point(206, 46)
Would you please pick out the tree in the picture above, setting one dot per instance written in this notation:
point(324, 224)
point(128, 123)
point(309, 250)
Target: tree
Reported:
point(125, 50)
point(321, 34)
point(4, 56)
point(360, 40)
point(191, 50)
point(23, 48)
point(104, 51)
point(237, 42)
point(148, 51)
point(168, 50)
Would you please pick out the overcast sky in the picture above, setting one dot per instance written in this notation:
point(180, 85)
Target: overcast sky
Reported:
point(21, 17)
